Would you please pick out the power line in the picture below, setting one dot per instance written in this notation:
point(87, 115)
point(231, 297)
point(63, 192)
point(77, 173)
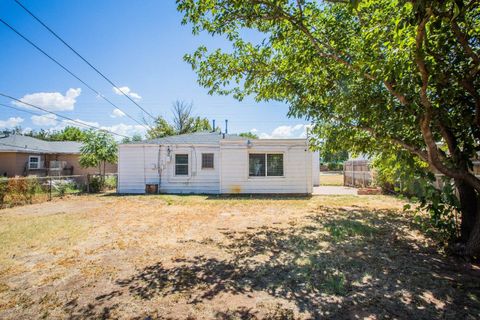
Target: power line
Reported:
point(64, 117)
point(81, 57)
point(70, 72)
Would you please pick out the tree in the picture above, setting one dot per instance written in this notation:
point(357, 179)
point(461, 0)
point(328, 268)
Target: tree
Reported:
point(183, 122)
point(69, 133)
point(335, 156)
point(99, 147)
point(134, 138)
point(161, 128)
point(372, 76)
point(249, 135)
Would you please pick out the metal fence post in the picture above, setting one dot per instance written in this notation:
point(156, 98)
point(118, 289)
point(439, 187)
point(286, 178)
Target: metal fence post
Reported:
point(50, 189)
point(88, 182)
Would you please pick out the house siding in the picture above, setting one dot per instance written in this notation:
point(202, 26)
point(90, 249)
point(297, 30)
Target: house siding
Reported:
point(141, 164)
point(160, 169)
point(297, 163)
point(15, 164)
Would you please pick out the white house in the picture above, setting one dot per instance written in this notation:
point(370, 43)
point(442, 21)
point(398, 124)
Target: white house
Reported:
point(210, 162)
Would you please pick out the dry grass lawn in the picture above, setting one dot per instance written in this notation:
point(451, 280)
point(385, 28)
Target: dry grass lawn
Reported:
point(331, 179)
point(199, 257)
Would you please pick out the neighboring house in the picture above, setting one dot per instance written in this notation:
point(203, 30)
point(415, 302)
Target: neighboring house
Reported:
point(25, 156)
point(209, 162)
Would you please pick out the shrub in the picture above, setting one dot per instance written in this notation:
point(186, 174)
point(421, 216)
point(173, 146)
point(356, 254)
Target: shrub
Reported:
point(334, 166)
point(95, 184)
point(3, 190)
point(110, 182)
point(62, 187)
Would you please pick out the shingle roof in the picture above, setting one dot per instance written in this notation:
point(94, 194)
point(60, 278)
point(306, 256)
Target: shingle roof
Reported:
point(19, 143)
point(210, 138)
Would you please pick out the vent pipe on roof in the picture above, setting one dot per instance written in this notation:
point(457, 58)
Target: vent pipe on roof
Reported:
point(213, 126)
point(226, 126)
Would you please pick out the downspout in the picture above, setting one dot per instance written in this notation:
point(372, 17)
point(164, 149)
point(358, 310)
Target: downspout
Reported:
point(159, 169)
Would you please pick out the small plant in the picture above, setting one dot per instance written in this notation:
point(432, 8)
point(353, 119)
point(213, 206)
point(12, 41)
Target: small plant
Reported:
point(110, 182)
point(3, 191)
point(95, 184)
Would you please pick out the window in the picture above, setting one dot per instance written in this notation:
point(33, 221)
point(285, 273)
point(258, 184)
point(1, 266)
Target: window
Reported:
point(181, 164)
point(207, 160)
point(265, 164)
point(34, 162)
point(275, 165)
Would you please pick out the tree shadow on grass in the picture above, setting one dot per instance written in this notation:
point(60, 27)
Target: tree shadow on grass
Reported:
point(337, 263)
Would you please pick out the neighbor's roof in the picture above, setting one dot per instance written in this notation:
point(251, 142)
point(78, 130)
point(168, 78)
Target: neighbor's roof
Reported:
point(209, 138)
point(19, 143)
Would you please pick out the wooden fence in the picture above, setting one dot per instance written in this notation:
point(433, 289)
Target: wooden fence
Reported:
point(357, 173)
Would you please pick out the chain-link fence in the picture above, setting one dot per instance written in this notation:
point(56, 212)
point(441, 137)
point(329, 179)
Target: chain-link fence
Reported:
point(26, 190)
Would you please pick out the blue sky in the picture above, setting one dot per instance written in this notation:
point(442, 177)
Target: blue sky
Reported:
point(137, 44)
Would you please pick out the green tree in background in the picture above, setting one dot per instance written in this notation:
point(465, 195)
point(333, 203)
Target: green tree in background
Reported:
point(134, 138)
point(183, 122)
point(249, 135)
point(98, 149)
point(337, 156)
point(69, 133)
point(372, 76)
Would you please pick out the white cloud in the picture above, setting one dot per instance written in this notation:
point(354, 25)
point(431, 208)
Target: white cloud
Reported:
point(11, 122)
point(51, 101)
point(121, 128)
point(253, 130)
point(126, 129)
point(45, 120)
point(127, 91)
point(117, 113)
point(287, 132)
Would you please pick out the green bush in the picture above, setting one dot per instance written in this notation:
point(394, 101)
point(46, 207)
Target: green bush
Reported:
point(3, 190)
point(95, 184)
point(110, 182)
point(334, 166)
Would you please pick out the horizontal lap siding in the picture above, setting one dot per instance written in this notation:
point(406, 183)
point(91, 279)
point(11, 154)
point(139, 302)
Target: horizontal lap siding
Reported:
point(297, 171)
point(199, 180)
point(137, 166)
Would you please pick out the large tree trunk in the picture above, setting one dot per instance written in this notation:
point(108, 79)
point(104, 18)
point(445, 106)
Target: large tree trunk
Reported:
point(472, 248)
point(469, 206)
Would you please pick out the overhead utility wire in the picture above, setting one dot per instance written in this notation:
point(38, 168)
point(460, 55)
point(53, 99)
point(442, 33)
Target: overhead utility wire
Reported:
point(81, 57)
point(70, 72)
point(64, 117)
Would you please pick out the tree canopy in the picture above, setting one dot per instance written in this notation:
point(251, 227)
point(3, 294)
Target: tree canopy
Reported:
point(98, 148)
point(371, 75)
point(183, 122)
point(250, 135)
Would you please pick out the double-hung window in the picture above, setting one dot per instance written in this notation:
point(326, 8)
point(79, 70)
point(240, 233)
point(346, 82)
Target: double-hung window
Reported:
point(181, 164)
point(207, 160)
point(34, 162)
point(265, 164)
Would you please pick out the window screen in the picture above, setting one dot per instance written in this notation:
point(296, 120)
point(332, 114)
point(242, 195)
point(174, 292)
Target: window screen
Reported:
point(261, 165)
point(275, 165)
point(181, 164)
point(256, 164)
point(34, 162)
point(207, 160)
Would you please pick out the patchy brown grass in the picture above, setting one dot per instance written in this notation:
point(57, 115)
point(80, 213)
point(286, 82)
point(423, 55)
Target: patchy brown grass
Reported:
point(331, 179)
point(202, 257)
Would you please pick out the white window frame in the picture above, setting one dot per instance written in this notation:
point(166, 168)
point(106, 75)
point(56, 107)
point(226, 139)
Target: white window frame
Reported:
point(175, 164)
point(37, 163)
point(265, 153)
point(213, 161)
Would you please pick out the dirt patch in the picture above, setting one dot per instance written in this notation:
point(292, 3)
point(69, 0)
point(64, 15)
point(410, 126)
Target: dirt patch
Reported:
point(203, 257)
